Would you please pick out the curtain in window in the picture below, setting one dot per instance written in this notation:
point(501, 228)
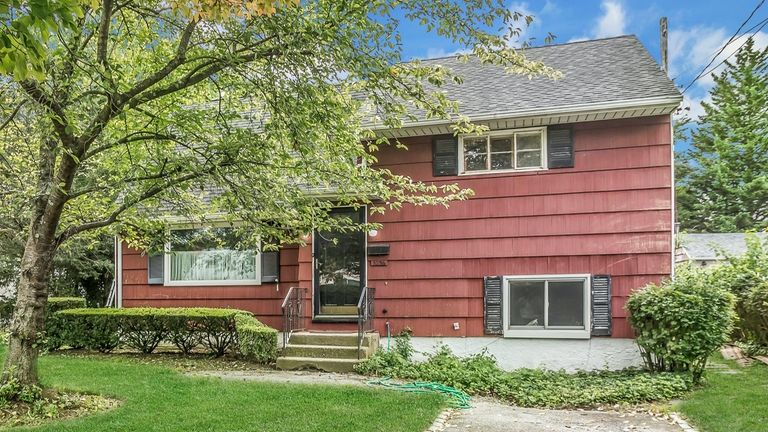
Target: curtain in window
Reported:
point(213, 265)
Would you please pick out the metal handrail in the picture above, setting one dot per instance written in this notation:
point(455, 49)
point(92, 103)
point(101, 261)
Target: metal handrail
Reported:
point(292, 316)
point(365, 315)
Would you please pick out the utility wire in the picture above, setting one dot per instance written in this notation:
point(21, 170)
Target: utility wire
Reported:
point(732, 38)
point(761, 24)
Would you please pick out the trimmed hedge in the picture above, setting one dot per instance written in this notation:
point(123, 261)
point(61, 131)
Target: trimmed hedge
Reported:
point(143, 329)
point(257, 341)
point(7, 305)
point(56, 304)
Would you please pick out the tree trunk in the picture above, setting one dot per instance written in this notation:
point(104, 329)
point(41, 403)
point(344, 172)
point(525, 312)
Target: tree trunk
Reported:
point(29, 314)
point(36, 265)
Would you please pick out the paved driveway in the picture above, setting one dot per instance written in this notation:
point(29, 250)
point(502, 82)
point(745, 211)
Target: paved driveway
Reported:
point(489, 416)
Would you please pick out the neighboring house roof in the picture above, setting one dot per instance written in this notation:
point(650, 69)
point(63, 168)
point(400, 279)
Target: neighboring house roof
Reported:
point(595, 72)
point(706, 247)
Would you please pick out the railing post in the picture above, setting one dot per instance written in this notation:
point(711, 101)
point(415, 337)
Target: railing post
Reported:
point(292, 307)
point(365, 312)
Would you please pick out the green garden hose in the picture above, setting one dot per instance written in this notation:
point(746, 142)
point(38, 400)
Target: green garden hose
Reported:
point(458, 398)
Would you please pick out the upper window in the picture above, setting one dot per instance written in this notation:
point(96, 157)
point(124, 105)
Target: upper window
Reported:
point(210, 256)
point(546, 306)
point(504, 151)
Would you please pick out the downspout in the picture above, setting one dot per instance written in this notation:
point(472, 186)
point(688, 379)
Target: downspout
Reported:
point(118, 272)
point(663, 46)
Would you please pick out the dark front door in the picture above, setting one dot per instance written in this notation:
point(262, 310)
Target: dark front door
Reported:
point(339, 259)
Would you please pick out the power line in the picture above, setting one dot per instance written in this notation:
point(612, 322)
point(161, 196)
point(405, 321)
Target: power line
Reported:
point(761, 24)
point(732, 38)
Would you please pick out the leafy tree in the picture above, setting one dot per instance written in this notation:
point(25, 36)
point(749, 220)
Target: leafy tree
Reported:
point(220, 108)
point(723, 180)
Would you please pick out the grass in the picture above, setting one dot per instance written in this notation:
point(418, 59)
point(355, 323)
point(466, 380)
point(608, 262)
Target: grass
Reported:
point(158, 398)
point(730, 402)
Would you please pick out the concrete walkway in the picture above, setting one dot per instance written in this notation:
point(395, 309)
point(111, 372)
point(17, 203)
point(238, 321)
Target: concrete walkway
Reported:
point(486, 415)
point(490, 416)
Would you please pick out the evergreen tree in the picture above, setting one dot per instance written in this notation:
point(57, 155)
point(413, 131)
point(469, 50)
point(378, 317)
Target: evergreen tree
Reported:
point(723, 178)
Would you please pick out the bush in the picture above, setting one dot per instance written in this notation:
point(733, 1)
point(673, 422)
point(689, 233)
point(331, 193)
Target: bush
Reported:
point(257, 341)
point(144, 329)
point(746, 276)
point(96, 329)
point(479, 374)
point(681, 322)
point(56, 304)
point(7, 305)
point(753, 318)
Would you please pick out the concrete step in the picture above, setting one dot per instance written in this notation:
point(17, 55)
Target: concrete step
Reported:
point(323, 364)
point(371, 340)
point(325, 351)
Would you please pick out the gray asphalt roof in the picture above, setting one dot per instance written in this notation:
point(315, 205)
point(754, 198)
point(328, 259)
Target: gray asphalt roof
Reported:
point(594, 71)
point(709, 246)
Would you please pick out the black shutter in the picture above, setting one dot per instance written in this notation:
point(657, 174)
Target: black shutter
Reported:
point(155, 269)
point(493, 308)
point(270, 266)
point(601, 305)
point(559, 147)
point(445, 156)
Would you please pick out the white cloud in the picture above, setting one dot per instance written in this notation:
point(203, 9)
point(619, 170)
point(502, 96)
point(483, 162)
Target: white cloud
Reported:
point(525, 29)
point(692, 49)
point(442, 52)
point(612, 22)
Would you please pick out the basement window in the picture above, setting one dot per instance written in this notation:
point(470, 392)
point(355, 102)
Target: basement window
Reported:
point(546, 306)
point(210, 256)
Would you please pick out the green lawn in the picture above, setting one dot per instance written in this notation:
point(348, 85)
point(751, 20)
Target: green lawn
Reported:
point(730, 402)
point(157, 398)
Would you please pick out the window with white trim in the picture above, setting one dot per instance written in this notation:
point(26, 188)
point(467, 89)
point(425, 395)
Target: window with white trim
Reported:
point(210, 256)
point(547, 306)
point(523, 149)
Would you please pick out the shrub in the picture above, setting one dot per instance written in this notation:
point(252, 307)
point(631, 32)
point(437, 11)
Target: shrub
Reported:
point(681, 322)
point(7, 305)
point(257, 341)
point(479, 374)
point(56, 304)
point(754, 315)
point(144, 329)
point(96, 329)
point(746, 276)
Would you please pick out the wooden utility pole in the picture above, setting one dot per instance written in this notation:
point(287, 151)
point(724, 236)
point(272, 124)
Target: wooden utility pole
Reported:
point(663, 44)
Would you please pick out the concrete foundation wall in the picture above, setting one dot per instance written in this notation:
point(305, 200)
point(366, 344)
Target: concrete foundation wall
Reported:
point(554, 354)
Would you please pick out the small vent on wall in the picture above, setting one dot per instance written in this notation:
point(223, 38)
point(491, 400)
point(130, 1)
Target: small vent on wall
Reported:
point(378, 249)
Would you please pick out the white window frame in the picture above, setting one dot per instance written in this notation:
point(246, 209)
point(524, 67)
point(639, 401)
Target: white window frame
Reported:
point(552, 333)
point(167, 264)
point(507, 132)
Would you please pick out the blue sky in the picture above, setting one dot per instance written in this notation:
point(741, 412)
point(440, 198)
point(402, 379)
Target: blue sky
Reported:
point(697, 30)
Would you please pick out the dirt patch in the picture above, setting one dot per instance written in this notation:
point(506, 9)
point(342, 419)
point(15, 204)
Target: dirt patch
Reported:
point(167, 357)
point(52, 406)
point(288, 377)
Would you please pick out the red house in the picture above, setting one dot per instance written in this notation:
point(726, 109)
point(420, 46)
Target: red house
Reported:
point(573, 209)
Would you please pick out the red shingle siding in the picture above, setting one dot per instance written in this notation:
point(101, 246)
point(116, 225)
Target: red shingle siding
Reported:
point(263, 300)
point(611, 214)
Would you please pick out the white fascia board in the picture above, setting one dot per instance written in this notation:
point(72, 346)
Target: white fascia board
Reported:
point(670, 102)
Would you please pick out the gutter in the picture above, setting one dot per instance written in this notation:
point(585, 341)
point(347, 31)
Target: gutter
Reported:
point(671, 101)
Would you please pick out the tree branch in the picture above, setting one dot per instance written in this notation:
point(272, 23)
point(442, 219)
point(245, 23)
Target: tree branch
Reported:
point(126, 205)
point(13, 115)
point(101, 47)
